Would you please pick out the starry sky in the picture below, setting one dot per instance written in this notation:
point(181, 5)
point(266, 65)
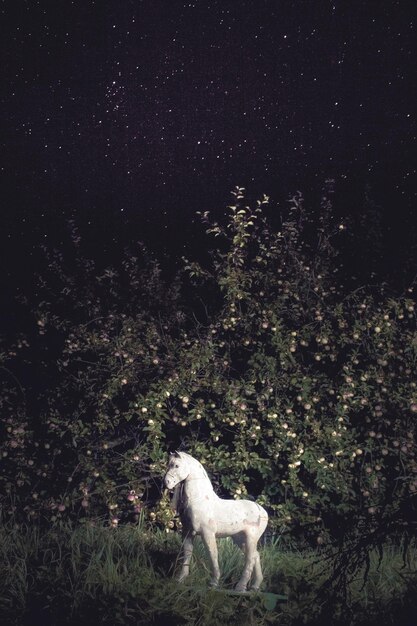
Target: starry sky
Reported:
point(130, 116)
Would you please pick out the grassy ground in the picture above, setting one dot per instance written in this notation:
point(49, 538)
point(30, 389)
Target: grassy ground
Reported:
point(124, 576)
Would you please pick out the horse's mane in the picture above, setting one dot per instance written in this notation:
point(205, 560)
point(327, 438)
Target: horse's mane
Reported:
point(195, 463)
point(178, 502)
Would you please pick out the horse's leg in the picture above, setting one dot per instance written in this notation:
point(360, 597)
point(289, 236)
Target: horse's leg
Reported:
point(240, 542)
point(209, 539)
point(258, 573)
point(249, 564)
point(187, 551)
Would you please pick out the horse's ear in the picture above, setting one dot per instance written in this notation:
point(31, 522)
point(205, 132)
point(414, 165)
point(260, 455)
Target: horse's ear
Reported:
point(177, 454)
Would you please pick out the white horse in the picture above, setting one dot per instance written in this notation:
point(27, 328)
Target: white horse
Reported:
point(203, 513)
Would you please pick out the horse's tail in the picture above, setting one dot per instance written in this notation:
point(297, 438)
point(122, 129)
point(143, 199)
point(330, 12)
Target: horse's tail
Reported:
point(262, 512)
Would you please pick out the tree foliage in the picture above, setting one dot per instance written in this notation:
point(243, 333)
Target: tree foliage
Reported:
point(286, 385)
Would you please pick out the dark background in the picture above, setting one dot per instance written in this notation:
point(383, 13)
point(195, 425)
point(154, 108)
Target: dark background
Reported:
point(130, 116)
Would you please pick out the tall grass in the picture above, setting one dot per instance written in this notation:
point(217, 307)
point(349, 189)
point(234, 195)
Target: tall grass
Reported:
point(66, 575)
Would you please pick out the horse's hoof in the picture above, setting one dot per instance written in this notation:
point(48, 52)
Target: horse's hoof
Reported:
point(240, 589)
point(213, 584)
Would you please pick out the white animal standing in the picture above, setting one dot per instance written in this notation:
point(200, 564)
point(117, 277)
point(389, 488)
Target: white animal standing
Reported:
point(203, 513)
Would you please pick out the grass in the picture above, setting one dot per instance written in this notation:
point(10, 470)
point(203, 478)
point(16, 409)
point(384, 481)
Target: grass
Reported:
point(103, 575)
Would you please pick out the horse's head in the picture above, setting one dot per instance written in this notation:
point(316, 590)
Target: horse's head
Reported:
point(177, 471)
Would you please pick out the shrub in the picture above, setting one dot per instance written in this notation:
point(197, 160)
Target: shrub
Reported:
point(287, 386)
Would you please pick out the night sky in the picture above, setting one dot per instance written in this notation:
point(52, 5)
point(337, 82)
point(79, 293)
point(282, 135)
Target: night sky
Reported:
point(130, 116)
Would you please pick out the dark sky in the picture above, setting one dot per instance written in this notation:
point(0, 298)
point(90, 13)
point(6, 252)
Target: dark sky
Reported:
point(132, 115)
